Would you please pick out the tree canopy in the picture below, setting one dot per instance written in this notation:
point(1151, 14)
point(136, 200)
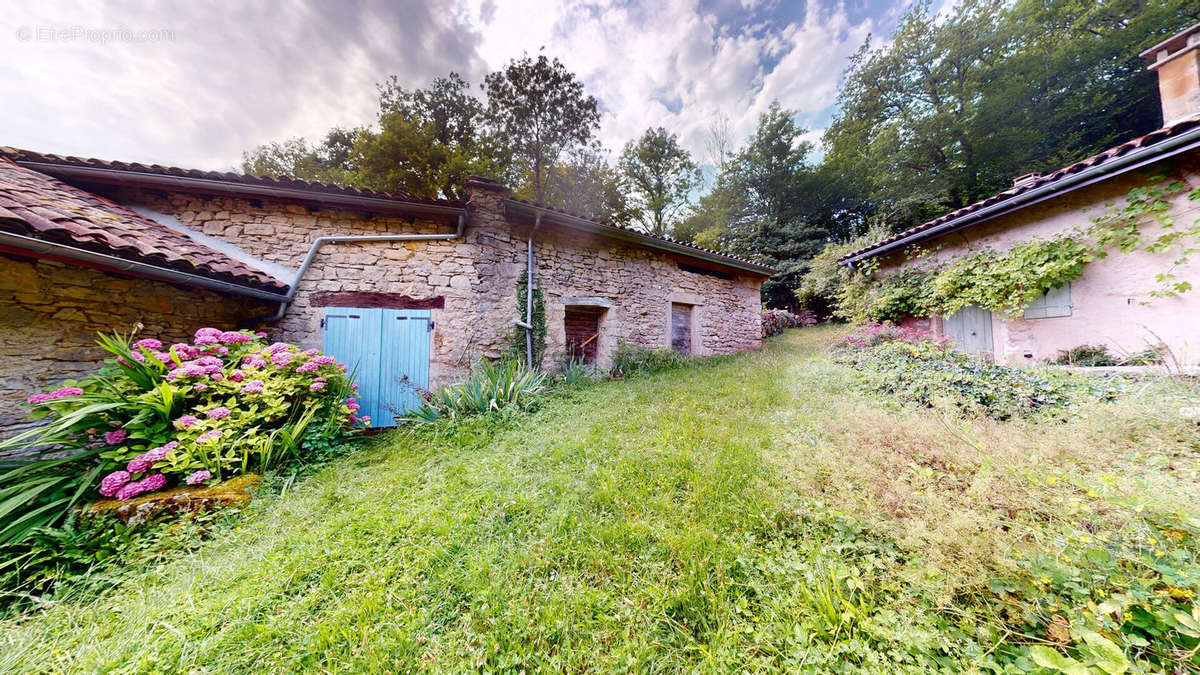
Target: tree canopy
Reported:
point(946, 112)
point(660, 174)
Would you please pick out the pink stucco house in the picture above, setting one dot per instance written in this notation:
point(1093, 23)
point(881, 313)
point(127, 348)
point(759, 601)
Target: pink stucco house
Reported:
point(1111, 303)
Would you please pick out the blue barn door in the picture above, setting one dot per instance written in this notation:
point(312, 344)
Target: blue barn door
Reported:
point(387, 353)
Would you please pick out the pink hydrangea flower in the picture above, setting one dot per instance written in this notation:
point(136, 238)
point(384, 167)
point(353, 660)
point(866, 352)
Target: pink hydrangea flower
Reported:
point(130, 490)
point(312, 352)
point(207, 336)
point(324, 360)
point(253, 387)
point(254, 362)
point(208, 436)
point(199, 477)
point(218, 349)
point(282, 359)
point(316, 386)
point(237, 376)
point(279, 347)
point(184, 351)
point(307, 367)
point(233, 337)
point(147, 343)
point(365, 419)
point(158, 454)
point(218, 413)
point(261, 335)
point(138, 465)
point(354, 386)
point(113, 482)
point(114, 437)
point(186, 421)
point(352, 404)
point(200, 386)
point(318, 379)
point(61, 392)
point(155, 481)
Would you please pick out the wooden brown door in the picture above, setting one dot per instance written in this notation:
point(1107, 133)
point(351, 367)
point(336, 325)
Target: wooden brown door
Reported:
point(681, 328)
point(583, 331)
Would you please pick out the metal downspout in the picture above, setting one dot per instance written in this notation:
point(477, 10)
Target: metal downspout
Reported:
point(529, 293)
point(343, 239)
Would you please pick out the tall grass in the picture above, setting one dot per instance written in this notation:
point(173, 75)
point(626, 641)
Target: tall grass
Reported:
point(752, 513)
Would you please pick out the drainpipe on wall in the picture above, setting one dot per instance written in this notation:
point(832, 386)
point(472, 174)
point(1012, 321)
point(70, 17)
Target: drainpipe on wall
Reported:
point(344, 239)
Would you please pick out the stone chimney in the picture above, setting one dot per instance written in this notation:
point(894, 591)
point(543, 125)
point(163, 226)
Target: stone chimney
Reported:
point(1177, 61)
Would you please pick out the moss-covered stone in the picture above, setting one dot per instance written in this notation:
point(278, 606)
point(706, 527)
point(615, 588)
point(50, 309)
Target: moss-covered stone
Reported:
point(186, 499)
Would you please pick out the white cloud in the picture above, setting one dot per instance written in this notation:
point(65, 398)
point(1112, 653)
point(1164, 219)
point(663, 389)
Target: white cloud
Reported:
point(229, 79)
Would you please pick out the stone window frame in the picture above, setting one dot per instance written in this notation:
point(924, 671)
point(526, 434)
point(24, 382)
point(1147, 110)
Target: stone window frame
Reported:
point(697, 303)
point(605, 324)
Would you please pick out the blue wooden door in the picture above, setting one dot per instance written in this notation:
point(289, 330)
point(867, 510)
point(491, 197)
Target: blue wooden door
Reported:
point(387, 353)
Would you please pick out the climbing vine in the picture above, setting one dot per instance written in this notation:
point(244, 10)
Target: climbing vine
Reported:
point(538, 321)
point(1007, 281)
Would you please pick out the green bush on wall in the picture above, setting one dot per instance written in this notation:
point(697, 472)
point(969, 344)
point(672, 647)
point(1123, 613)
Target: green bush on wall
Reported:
point(1006, 282)
point(538, 322)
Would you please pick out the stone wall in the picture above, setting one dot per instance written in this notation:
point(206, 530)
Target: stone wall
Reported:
point(50, 313)
point(475, 276)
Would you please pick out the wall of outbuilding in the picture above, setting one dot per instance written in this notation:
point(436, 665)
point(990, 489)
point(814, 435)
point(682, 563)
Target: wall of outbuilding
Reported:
point(50, 313)
point(1112, 303)
point(474, 278)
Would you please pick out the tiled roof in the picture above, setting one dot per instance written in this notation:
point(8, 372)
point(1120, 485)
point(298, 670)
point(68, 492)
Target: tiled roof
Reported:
point(281, 182)
point(39, 206)
point(1035, 181)
point(705, 253)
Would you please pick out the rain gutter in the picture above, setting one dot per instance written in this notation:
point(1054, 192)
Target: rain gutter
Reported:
point(1123, 164)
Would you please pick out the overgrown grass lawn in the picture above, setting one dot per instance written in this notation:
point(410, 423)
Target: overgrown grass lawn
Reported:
point(753, 512)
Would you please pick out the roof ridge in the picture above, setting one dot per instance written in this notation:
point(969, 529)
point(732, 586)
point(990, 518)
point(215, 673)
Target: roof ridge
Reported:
point(280, 180)
point(1146, 140)
point(82, 217)
point(632, 230)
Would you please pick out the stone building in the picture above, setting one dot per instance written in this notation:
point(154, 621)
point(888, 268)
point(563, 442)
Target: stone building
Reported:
point(411, 291)
point(1114, 302)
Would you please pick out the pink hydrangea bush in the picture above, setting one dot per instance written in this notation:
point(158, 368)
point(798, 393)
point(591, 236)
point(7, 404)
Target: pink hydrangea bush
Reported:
point(198, 412)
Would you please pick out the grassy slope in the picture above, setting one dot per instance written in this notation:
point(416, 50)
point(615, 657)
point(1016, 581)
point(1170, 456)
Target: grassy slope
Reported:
point(681, 521)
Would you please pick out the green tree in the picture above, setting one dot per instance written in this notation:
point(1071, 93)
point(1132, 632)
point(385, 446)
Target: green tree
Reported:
point(428, 140)
point(586, 184)
point(950, 111)
point(537, 110)
point(661, 174)
point(330, 161)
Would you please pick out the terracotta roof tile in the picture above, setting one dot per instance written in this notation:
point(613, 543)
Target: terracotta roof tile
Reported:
point(36, 205)
point(19, 155)
point(1110, 154)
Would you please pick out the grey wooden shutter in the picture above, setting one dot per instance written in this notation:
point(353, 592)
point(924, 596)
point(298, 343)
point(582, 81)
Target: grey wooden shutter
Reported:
point(1054, 302)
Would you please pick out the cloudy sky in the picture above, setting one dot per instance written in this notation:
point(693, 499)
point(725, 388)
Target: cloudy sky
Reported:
point(195, 83)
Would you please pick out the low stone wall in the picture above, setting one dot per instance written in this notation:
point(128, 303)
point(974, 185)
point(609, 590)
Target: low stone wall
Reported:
point(50, 314)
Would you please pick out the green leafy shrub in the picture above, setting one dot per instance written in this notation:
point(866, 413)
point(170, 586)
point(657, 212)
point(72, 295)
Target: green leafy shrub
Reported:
point(504, 385)
point(775, 321)
point(574, 372)
point(1099, 355)
point(537, 322)
point(629, 358)
point(917, 370)
point(1100, 601)
point(155, 416)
